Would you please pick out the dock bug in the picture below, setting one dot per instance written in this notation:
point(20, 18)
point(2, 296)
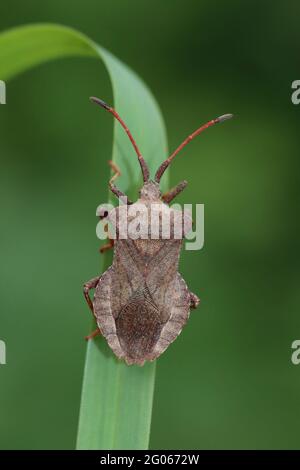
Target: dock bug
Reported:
point(141, 302)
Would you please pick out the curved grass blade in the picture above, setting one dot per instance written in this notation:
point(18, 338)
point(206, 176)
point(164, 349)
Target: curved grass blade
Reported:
point(116, 402)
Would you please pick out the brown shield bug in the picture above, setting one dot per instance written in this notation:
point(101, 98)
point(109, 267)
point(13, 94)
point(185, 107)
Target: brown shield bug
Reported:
point(141, 302)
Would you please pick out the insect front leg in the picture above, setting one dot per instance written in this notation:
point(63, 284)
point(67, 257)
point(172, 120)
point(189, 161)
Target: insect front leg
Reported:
point(117, 192)
point(194, 300)
point(170, 195)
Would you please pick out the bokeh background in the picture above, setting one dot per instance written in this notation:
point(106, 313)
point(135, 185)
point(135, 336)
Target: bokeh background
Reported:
point(228, 381)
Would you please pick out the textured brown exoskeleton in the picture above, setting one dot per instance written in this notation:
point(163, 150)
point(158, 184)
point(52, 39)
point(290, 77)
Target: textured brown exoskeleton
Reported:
point(141, 302)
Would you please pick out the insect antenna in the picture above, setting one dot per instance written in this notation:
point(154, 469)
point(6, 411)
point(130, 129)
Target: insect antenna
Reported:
point(167, 162)
point(144, 167)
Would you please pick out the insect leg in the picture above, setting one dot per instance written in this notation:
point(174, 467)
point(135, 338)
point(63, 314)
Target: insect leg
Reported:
point(194, 300)
point(107, 246)
point(92, 284)
point(117, 192)
point(97, 332)
point(170, 195)
point(110, 243)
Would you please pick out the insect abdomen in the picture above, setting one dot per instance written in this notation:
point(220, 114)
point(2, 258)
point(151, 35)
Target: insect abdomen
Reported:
point(139, 325)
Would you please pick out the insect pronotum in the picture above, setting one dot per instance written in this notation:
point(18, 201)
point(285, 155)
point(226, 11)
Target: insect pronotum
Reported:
point(141, 302)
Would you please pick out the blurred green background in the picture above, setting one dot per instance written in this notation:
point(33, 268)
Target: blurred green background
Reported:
point(228, 381)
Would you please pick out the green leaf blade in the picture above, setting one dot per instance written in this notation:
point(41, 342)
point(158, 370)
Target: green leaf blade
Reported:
point(116, 402)
point(126, 401)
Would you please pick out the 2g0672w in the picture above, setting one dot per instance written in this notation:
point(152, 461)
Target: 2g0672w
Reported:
point(177, 459)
